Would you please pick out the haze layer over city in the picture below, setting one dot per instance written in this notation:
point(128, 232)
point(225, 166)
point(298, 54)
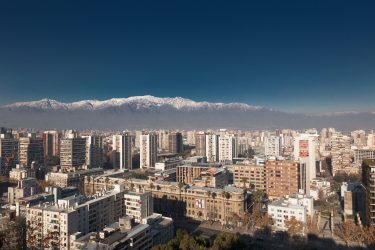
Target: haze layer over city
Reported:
point(171, 125)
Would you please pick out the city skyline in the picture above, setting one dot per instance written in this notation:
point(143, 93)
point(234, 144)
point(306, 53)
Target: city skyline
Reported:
point(297, 57)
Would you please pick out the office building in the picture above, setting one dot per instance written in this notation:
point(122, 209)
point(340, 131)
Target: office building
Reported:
point(305, 146)
point(249, 175)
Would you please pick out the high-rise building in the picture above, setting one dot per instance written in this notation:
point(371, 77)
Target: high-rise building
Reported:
point(361, 154)
point(368, 181)
point(200, 143)
point(94, 151)
point(212, 147)
point(31, 149)
point(371, 140)
point(9, 152)
point(148, 150)
point(175, 143)
point(249, 175)
point(227, 147)
point(273, 146)
point(51, 143)
point(72, 153)
point(340, 152)
point(283, 177)
point(190, 137)
point(122, 151)
point(305, 153)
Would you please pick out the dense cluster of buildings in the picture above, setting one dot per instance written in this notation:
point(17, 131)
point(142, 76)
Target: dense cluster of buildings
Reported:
point(101, 189)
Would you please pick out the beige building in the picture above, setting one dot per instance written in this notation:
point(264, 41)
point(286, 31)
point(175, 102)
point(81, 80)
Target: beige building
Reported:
point(248, 175)
point(49, 225)
point(31, 149)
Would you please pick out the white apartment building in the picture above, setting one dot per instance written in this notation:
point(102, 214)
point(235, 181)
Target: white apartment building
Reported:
point(298, 206)
point(305, 152)
point(212, 147)
point(50, 224)
point(138, 205)
point(122, 151)
point(148, 150)
point(227, 147)
point(273, 146)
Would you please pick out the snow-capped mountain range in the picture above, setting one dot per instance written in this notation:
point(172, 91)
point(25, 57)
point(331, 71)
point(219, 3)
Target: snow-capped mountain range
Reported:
point(148, 112)
point(138, 102)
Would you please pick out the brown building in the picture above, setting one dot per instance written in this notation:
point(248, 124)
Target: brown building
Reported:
point(200, 143)
point(368, 180)
point(188, 173)
point(282, 178)
point(249, 176)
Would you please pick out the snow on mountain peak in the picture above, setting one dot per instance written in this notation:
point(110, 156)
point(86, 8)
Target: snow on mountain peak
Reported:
point(146, 101)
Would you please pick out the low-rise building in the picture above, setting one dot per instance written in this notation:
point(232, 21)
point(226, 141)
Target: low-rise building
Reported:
point(298, 206)
point(120, 235)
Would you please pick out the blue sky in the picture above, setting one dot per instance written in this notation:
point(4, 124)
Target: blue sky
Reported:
point(298, 56)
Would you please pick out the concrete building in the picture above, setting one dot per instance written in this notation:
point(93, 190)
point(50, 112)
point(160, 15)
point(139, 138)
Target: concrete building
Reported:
point(94, 151)
point(148, 150)
point(200, 203)
point(273, 146)
point(200, 143)
point(213, 177)
point(25, 188)
point(175, 143)
point(50, 225)
point(21, 172)
point(212, 147)
point(305, 146)
point(122, 151)
point(353, 195)
point(31, 149)
point(249, 175)
point(169, 163)
point(9, 153)
point(368, 181)
point(51, 143)
point(298, 206)
point(361, 154)
point(341, 154)
point(227, 147)
point(75, 179)
point(359, 138)
point(138, 205)
point(120, 235)
point(162, 228)
point(72, 153)
point(283, 177)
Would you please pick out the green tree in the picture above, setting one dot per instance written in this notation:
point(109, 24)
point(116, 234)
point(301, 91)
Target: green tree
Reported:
point(226, 241)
